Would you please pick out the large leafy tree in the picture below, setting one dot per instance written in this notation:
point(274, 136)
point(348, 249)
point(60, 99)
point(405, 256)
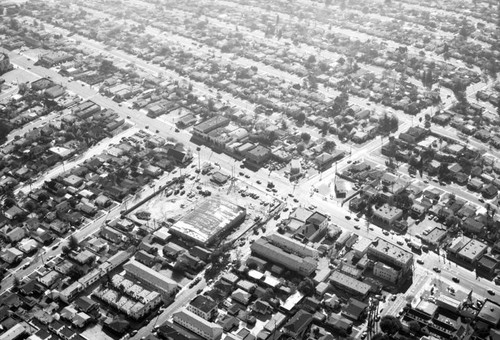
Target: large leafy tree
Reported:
point(390, 325)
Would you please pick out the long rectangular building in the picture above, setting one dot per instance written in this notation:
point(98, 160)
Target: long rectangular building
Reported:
point(265, 249)
point(292, 246)
point(150, 278)
point(196, 324)
point(349, 284)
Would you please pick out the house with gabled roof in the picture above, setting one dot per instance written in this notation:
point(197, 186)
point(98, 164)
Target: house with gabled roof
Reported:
point(11, 255)
point(261, 307)
point(16, 234)
point(241, 296)
point(14, 212)
point(355, 309)
point(297, 326)
point(86, 304)
point(145, 258)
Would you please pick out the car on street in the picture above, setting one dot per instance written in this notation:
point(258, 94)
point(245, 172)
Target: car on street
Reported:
point(259, 182)
point(54, 247)
point(419, 261)
point(356, 227)
point(436, 269)
point(456, 279)
point(347, 217)
point(386, 233)
point(491, 292)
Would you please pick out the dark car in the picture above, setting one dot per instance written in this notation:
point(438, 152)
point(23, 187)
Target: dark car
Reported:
point(456, 279)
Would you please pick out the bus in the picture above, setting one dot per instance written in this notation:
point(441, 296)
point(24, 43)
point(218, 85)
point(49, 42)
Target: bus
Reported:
point(415, 245)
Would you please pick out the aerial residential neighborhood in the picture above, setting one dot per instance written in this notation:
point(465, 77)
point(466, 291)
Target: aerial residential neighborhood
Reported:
point(249, 170)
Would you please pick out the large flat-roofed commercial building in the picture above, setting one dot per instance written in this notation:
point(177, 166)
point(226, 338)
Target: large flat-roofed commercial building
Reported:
point(208, 220)
point(14, 332)
point(391, 254)
point(210, 124)
point(387, 215)
point(490, 313)
point(150, 278)
point(54, 58)
point(349, 284)
point(302, 265)
point(472, 251)
point(258, 155)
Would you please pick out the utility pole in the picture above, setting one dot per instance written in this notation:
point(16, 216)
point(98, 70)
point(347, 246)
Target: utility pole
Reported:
point(199, 160)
